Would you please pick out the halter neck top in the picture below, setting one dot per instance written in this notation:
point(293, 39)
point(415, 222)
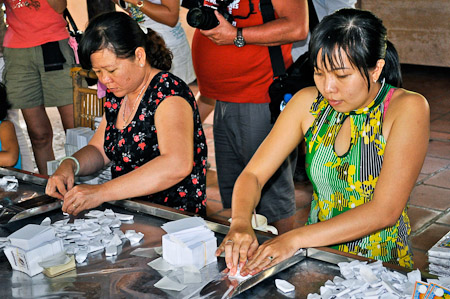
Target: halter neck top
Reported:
point(343, 182)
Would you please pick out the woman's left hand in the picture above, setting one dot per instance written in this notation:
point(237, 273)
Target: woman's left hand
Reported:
point(82, 197)
point(271, 253)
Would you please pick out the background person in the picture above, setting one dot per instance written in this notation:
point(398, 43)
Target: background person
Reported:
point(233, 66)
point(151, 129)
point(37, 69)
point(9, 146)
point(162, 16)
point(13, 114)
point(357, 127)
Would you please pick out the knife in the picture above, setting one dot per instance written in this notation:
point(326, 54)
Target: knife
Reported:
point(225, 287)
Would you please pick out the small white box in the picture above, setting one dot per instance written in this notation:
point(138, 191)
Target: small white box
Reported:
point(31, 236)
point(27, 261)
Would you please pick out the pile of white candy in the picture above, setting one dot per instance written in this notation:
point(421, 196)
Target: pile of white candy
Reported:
point(363, 280)
point(99, 231)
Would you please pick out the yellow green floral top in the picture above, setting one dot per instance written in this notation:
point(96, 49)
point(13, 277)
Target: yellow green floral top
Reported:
point(344, 182)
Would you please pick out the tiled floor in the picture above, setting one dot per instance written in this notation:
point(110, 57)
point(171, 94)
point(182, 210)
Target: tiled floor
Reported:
point(429, 204)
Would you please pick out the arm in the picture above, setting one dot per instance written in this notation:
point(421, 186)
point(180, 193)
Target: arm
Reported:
point(285, 136)
point(58, 5)
point(10, 146)
point(175, 126)
point(291, 26)
point(406, 128)
point(166, 13)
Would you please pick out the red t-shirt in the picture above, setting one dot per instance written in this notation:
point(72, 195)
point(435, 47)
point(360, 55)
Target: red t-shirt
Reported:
point(32, 23)
point(232, 74)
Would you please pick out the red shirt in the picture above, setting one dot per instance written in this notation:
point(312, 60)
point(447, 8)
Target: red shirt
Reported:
point(32, 23)
point(232, 74)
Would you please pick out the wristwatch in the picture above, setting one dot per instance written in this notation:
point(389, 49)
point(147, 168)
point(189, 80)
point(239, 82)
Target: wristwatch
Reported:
point(239, 40)
point(139, 4)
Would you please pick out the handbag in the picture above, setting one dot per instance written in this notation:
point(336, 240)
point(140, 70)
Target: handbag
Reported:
point(74, 40)
point(75, 34)
point(72, 27)
point(299, 75)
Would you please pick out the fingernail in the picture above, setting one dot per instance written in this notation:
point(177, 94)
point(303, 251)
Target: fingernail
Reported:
point(229, 265)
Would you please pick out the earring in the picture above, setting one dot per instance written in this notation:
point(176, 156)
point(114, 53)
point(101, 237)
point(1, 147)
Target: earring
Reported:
point(374, 80)
point(141, 65)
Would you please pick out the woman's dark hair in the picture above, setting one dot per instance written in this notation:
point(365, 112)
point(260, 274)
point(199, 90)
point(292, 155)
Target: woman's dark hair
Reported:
point(363, 37)
point(4, 103)
point(122, 35)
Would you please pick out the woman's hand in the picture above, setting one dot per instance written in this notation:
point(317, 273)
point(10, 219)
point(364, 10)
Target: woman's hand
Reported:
point(61, 181)
point(239, 244)
point(270, 253)
point(82, 197)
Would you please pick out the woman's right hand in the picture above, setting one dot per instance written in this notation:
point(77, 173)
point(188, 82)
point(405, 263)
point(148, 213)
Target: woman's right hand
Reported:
point(61, 181)
point(239, 245)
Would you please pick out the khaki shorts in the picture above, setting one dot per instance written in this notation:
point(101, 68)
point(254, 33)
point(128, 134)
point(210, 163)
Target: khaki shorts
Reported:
point(29, 85)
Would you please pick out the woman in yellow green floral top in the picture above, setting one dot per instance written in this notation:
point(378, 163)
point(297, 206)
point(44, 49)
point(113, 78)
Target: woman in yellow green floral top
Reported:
point(365, 140)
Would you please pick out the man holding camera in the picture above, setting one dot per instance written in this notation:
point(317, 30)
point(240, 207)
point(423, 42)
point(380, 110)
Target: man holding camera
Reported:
point(233, 66)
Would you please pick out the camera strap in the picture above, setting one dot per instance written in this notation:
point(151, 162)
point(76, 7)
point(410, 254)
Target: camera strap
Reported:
point(276, 56)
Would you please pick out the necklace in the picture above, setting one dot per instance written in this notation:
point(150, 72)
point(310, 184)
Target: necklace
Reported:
point(126, 120)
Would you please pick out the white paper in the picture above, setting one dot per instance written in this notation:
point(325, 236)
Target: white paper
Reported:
point(183, 224)
point(160, 264)
point(145, 252)
point(191, 275)
point(169, 284)
point(55, 260)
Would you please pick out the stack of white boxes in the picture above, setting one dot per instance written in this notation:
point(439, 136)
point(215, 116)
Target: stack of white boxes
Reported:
point(76, 139)
point(30, 245)
point(439, 257)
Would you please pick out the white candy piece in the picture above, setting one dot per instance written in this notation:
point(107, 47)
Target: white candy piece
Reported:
point(111, 250)
point(284, 286)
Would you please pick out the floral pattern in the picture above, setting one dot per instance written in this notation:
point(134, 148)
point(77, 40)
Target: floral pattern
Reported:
point(344, 182)
point(136, 144)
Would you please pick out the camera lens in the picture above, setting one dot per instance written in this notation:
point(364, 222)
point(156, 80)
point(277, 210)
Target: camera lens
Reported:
point(202, 18)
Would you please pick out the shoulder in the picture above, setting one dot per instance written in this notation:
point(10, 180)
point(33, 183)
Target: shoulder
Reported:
point(167, 84)
point(7, 128)
point(405, 102)
point(6, 125)
point(408, 112)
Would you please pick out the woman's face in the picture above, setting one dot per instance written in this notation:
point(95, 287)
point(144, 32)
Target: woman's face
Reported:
point(119, 75)
point(344, 87)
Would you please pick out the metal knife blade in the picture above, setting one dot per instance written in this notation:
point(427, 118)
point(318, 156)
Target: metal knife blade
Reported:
point(224, 287)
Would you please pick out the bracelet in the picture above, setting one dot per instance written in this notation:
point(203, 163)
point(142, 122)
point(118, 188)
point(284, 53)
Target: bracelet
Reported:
point(73, 159)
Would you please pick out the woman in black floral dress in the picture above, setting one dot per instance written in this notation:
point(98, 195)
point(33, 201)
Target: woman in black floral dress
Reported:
point(151, 130)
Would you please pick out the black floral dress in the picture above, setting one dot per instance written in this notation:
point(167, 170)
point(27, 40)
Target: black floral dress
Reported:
point(137, 143)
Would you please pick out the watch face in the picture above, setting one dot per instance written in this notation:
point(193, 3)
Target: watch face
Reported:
point(239, 41)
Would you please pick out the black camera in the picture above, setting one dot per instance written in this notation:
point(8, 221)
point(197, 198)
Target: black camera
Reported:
point(203, 17)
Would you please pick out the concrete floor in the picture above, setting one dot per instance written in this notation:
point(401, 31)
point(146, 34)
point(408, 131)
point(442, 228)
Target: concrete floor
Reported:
point(429, 204)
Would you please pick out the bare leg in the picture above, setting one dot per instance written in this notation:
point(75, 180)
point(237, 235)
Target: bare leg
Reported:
point(284, 225)
point(205, 106)
point(41, 136)
point(66, 114)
